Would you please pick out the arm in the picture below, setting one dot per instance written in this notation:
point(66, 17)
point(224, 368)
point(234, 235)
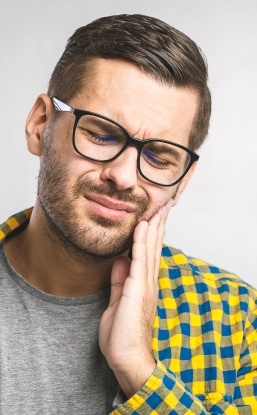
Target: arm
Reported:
point(164, 393)
point(152, 388)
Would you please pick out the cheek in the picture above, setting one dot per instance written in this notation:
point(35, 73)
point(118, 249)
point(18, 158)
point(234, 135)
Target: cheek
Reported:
point(79, 169)
point(66, 156)
point(79, 166)
point(158, 197)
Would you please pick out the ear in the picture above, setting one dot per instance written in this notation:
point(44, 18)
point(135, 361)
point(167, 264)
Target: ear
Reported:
point(36, 123)
point(184, 182)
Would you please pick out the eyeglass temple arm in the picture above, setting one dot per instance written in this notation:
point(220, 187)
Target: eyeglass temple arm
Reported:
point(61, 106)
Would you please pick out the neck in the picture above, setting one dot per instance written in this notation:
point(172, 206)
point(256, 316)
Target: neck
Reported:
point(38, 256)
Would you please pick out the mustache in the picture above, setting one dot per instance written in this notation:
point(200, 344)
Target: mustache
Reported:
point(109, 189)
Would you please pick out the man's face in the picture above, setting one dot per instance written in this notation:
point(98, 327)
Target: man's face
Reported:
point(94, 207)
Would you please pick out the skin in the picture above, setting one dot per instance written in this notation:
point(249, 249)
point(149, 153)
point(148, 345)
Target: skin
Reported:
point(41, 254)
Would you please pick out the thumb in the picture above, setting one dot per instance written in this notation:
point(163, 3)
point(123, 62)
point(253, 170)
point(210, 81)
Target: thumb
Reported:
point(120, 272)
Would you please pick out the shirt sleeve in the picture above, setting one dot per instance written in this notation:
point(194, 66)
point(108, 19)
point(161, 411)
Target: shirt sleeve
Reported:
point(164, 393)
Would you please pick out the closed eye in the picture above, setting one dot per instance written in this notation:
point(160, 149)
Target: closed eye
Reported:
point(103, 139)
point(155, 160)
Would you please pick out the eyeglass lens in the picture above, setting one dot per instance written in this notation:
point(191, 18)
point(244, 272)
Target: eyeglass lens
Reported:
point(102, 140)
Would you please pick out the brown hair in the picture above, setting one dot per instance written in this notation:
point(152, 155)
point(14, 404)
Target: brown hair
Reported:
point(160, 50)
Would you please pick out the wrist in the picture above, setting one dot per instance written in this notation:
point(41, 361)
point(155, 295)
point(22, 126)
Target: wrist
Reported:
point(133, 377)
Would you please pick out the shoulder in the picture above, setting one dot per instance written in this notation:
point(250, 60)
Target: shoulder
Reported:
point(200, 276)
point(14, 223)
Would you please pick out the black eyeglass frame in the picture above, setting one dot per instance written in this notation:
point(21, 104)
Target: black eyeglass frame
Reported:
point(130, 141)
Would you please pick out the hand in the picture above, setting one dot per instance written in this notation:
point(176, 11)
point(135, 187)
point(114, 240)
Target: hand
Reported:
point(125, 332)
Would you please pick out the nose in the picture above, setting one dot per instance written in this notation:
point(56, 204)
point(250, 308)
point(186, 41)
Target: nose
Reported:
point(123, 170)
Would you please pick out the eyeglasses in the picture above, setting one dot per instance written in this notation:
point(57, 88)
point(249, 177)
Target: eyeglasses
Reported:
point(101, 139)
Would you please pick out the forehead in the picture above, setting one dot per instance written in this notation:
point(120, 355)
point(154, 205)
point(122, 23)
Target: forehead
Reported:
point(146, 107)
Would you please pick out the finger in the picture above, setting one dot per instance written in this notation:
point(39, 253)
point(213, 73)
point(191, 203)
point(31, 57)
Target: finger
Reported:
point(139, 239)
point(160, 217)
point(154, 229)
point(140, 231)
point(155, 237)
point(139, 252)
point(163, 213)
point(120, 271)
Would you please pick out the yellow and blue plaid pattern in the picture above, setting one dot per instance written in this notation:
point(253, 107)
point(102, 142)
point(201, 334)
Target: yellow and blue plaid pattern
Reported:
point(204, 340)
point(14, 223)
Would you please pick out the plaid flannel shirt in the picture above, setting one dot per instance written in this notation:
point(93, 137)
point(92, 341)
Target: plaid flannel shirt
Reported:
point(204, 340)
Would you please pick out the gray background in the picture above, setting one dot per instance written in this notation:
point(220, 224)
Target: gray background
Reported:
point(216, 218)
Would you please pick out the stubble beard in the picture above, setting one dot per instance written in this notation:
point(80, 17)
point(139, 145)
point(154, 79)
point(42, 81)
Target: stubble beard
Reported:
point(97, 237)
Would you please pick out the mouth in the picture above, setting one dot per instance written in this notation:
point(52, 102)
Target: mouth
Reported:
point(108, 208)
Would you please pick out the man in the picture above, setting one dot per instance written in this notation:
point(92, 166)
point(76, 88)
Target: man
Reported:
point(94, 319)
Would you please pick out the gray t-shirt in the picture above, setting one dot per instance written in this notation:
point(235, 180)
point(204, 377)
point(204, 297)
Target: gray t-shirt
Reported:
point(50, 361)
